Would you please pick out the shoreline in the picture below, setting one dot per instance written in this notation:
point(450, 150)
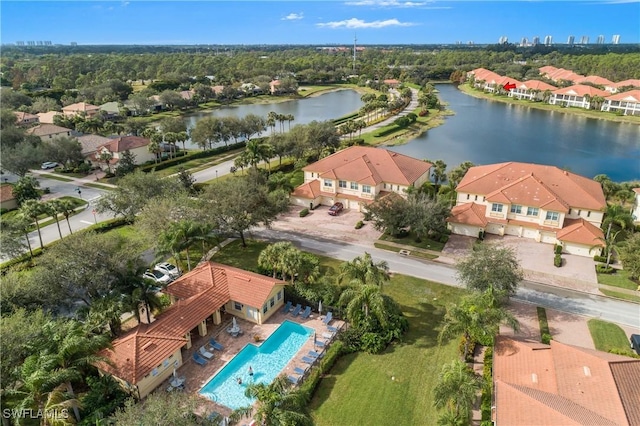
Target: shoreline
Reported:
point(598, 115)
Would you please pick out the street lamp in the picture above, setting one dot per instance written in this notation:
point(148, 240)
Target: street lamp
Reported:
point(79, 192)
point(216, 174)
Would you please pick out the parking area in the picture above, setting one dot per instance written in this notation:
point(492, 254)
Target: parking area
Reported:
point(319, 223)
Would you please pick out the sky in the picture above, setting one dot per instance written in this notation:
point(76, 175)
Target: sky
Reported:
point(316, 22)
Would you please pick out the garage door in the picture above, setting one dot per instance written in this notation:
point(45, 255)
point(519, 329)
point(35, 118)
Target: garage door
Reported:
point(300, 201)
point(548, 237)
point(512, 230)
point(494, 228)
point(530, 233)
point(579, 250)
point(469, 231)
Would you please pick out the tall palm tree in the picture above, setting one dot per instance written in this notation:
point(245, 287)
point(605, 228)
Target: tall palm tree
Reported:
point(51, 208)
point(277, 404)
point(58, 402)
point(154, 148)
point(456, 390)
point(273, 256)
point(363, 301)
point(610, 243)
point(137, 290)
point(289, 118)
point(180, 236)
point(362, 270)
point(31, 209)
point(257, 151)
point(271, 120)
point(66, 208)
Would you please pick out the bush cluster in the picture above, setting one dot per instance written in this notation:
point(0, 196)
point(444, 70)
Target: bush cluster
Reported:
point(604, 269)
point(360, 224)
point(557, 260)
point(333, 353)
point(557, 249)
point(487, 388)
point(304, 212)
point(602, 259)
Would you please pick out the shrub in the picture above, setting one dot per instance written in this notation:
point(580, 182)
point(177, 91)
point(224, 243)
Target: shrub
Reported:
point(557, 260)
point(602, 259)
point(183, 157)
point(546, 338)
point(360, 224)
point(423, 113)
point(481, 235)
point(472, 349)
point(487, 388)
point(557, 249)
point(351, 339)
point(373, 342)
point(603, 269)
point(304, 212)
point(444, 238)
point(333, 353)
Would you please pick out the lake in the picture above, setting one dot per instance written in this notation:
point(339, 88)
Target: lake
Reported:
point(484, 131)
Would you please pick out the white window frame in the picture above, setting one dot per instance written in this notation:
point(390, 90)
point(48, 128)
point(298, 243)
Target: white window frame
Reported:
point(531, 210)
point(342, 184)
point(552, 216)
point(496, 207)
point(516, 208)
point(236, 304)
point(354, 186)
point(366, 189)
point(328, 183)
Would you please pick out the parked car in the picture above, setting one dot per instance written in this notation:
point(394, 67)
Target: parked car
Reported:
point(335, 209)
point(157, 277)
point(49, 165)
point(168, 269)
point(635, 343)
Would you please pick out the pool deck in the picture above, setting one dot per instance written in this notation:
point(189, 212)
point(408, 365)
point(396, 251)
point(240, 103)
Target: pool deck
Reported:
point(197, 376)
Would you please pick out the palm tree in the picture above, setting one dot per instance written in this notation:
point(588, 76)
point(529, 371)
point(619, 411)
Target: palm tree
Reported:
point(180, 236)
point(362, 270)
point(272, 257)
point(616, 215)
point(57, 402)
point(105, 157)
point(23, 224)
point(271, 120)
point(456, 391)
point(66, 208)
point(289, 118)
point(362, 301)
point(31, 209)
point(154, 148)
point(137, 290)
point(278, 404)
point(439, 172)
point(52, 208)
point(610, 244)
point(257, 151)
point(477, 317)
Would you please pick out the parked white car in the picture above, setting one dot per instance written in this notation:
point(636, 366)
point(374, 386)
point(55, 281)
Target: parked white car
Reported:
point(49, 165)
point(157, 277)
point(168, 269)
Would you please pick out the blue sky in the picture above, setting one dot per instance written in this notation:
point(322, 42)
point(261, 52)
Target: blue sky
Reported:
point(315, 22)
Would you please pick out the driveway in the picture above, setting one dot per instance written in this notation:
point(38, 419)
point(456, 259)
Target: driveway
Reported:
point(319, 223)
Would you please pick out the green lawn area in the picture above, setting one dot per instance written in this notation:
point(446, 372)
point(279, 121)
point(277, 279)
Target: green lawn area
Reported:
point(619, 295)
point(305, 91)
point(619, 279)
point(360, 385)
point(410, 240)
point(199, 163)
point(413, 253)
point(57, 177)
point(607, 336)
point(98, 186)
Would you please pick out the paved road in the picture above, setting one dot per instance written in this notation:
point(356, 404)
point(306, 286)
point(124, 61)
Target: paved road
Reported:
point(542, 295)
point(213, 172)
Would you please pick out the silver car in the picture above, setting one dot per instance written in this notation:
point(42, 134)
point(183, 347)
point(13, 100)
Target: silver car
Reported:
point(168, 269)
point(157, 277)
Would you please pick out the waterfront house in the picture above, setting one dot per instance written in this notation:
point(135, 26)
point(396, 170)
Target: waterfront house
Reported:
point(81, 108)
point(578, 95)
point(562, 385)
point(49, 132)
point(540, 202)
point(356, 175)
point(532, 90)
point(607, 85)
point(145, 357)
point(626, 102)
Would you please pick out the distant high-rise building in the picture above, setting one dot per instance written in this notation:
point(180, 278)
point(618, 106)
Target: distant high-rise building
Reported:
point(571, 40)
point(584, 40)
point(535, 41)
point(73, 43)
point(615, 39)
point(524, 41)
point(503, 40)
point(48, 43)
point(548, 40)
point(471, 43)
point(31, 43)
point(600, 39)
point(19, 43)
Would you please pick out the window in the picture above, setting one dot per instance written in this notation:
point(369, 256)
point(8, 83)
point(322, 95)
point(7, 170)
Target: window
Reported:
point(154, 372)
point(272, 301)
point(483, 198)
point(588, 214)
point(354, 185)
point(532, 211)
point(237, 306)
point(366, 189)
point(569, 211)
point(385, 186)
point(280, 295)
point(328, 183)
point(579, 211)
point(342, 183)
point(476, 199)
point(552, 216)
point(265, 308)
point(495, 207)
point(515, 208)
point(468, 196)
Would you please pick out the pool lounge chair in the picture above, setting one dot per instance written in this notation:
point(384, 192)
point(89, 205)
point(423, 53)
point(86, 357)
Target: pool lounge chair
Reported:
point(327, 335)
point(308, 360)
point(287, 307)
point(199, 360)
point(306, 313)
point(327, 319)
point(294, 380)
point(215, 345)
point(314, 354)
point(319, 344)
point(300, 371)
point(332, 329)
point(205, 353)
point(296, 310)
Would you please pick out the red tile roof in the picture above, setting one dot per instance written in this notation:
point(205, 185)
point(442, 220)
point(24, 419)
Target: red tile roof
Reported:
point(538, 85)
point(541, 185)
point(562, 74)
point(80, 107)
point(547, 69)
point(580, 231)
point(561, 384)
point(371, 166)
point(484, 74)
point(630, 82)
point(6, 193)
point(469, 214)
point(125, 143)
point(308, 190)
point(630, 96)
point(600, 81)
point(581, 90)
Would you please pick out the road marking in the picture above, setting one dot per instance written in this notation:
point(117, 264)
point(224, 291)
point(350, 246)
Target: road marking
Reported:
point(89, 223)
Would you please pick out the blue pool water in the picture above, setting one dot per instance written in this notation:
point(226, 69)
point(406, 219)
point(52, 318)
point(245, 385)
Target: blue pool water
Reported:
point(266, 360)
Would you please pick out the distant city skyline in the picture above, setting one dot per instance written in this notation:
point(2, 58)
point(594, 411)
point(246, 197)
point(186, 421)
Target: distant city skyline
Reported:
point(318, 22)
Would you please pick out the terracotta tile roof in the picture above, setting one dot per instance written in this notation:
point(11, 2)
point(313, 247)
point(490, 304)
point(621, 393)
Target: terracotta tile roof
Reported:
point(391, 81)
point(562, 74)
point(542, 185)
point(47, 117)
point(124, 143)
point(308, 190)
point(23, 116)
point(581, 90)
point(636, 190)
point(627, 378)
point(80, 107)
point(370, 165)
point(469, 214)
point(601, 81)
point(538, 85)
point(138, 352)
point(528, 187)
point(6, 193)
point(547, 69)
point(484, 74)
point(630, 82)
point(630, 96)
point(505, 80)
point(580, 231)
point(217, 89)
point(561, 384)
point(47, 129)
point(91, 143)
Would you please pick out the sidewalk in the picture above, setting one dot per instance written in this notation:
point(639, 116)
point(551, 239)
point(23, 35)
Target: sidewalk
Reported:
point(78, 181)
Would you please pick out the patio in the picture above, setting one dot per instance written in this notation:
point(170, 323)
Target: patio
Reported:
point(197, 376)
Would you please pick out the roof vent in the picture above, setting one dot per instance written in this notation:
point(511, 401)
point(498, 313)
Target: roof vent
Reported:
point(587, 371)
point(534, 378)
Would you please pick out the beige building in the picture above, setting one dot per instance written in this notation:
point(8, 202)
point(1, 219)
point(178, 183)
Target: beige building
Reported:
point(49, 132)
point(534, 201)
point(356, 175)
point(81, 108)
point(628, 103)
point(7, 199)
point(137, 145)
point(26, 119)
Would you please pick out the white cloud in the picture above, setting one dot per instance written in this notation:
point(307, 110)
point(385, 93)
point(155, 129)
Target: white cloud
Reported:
point(359, 23)
point(293, 16)
point(125, 3)
point(388, 3)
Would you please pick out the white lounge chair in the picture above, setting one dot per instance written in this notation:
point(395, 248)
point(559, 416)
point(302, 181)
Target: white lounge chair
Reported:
point(205, 353)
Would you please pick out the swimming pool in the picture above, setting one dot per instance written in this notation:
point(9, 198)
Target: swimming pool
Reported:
point(266, 361)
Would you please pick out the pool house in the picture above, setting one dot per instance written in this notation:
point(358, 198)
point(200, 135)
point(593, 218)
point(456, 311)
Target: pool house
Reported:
point(146, 356)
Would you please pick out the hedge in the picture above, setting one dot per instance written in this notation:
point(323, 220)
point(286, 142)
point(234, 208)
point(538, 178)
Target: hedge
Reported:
point(304, 212)
point(191, 156)
point(332, 354)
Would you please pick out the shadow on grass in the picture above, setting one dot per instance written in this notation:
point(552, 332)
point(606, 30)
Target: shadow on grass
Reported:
point(327, 382)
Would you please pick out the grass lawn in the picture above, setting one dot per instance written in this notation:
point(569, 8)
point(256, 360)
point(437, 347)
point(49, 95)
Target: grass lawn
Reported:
point(618, 295)
point(98, 186)
point(413, 253)
point(619, 279)
point(410, 240)
point(198, 164)
point(360, 385)
point(607, 336)
point(57, 177)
